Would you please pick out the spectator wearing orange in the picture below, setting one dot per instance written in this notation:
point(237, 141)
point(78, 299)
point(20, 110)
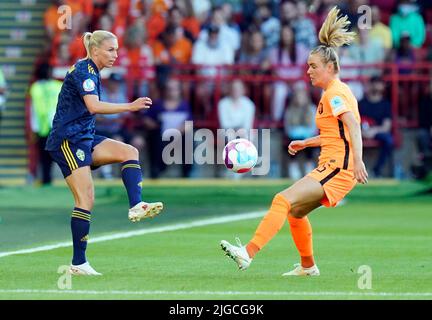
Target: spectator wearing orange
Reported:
point(76, 48)
point(115, 19)
point(76, 45)
point(61, 56)
point(172, 48)
point(99, 9)
point(123, 7)
point(52, 17)
point(137, 58)
point(175, 19)
point(190, 21)
point(156, 23)
point(86, 9)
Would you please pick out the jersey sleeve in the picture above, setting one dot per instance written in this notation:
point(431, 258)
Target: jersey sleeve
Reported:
point(86, 83)
point(338, 104)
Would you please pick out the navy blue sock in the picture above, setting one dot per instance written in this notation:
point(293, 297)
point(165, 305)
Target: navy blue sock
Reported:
point(132, 179)
point(80, 226)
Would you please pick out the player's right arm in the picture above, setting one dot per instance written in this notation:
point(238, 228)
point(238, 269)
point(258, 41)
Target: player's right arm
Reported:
point(95, 106)
point(298, 145)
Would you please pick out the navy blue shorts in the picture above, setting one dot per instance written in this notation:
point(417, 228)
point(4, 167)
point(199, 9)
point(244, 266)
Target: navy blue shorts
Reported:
point(72, 156)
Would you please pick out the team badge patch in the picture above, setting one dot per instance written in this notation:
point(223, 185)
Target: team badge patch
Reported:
point(337, 104)
point(80, 154)
point(89, 85)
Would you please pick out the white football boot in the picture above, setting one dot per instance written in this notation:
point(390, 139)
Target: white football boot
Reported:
point(84, 269)
point(145, 210)
point(238, 253)
point(300, 271)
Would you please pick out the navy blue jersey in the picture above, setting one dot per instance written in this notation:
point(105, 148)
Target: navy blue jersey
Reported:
point(72, 120)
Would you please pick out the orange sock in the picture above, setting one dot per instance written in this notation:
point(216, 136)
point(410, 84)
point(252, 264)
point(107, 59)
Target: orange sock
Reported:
point(301, 232)
point(252, 249)
point(270, 224)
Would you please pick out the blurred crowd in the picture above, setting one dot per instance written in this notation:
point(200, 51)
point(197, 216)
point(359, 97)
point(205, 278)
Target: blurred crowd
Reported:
point(159, 38)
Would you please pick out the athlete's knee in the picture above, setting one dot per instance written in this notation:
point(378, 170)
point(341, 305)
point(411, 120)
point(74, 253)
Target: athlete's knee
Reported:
point(281, 203)
point(131, 153)
point(298, 212)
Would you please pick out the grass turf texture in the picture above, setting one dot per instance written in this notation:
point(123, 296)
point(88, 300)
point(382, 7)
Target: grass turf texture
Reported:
point(383, 225)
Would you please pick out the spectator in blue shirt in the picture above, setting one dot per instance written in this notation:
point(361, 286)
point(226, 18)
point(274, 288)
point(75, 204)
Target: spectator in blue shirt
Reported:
point(170, 112)
point(376, 115)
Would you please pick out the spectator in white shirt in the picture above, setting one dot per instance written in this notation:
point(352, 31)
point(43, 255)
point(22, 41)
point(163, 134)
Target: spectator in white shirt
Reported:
point(210, 54)
point(236, 111)
point(228, 35)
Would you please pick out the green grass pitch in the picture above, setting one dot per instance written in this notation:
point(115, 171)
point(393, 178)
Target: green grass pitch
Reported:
point(385, 226)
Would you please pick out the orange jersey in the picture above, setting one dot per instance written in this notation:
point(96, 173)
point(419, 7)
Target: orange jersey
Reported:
point(336, 145)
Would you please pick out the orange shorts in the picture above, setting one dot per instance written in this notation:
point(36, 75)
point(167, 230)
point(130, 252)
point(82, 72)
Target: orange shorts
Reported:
point(337, 183)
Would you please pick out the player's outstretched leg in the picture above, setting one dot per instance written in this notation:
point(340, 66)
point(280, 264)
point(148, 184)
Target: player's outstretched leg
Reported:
point(267, 229)
point(304, 196)
point(112, 151)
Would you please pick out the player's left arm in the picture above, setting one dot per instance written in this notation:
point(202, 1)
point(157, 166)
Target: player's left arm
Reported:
point(354, 130)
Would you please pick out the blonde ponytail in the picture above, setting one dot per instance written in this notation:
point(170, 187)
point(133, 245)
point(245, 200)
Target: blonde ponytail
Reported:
point(95, 39)
point(333, 34)
point(86, 40)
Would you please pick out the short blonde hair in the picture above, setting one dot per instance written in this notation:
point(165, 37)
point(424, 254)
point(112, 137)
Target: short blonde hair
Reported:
point(95, 39)
point(333, 34)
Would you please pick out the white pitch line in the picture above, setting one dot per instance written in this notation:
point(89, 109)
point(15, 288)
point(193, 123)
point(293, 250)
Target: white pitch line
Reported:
point(224, 293)
point(129, 234)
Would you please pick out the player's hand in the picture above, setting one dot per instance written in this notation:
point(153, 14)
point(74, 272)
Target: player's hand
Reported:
point(295, 146)
point(360, 173)
point(140, 103)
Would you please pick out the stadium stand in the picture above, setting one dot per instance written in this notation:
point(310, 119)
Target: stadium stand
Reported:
point(21, 38)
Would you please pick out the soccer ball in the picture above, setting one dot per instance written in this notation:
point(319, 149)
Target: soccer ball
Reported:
point(240, 155)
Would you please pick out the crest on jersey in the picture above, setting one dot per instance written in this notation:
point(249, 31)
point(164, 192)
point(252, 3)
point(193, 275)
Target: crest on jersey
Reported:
point(88, 85)
point(80, 154)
